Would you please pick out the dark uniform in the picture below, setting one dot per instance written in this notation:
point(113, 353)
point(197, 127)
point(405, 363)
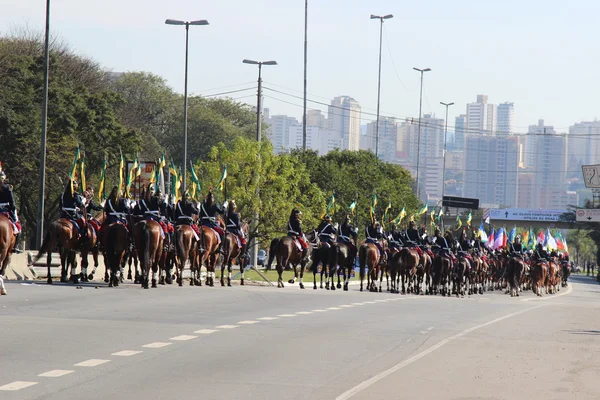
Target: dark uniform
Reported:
point(116, 211)
point(295, 230)
point(540, 254)
point(412, 234)
point(208, 213)
point(72, 207)
point(7, 204)
point(347, 232)
point(326, 231)
point(184, 212)
point(234, 225)
point(396, 238)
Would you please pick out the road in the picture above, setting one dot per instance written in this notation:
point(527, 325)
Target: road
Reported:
point(59, 342)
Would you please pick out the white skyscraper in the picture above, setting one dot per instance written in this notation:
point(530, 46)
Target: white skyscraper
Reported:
point(584, 148)
point(279, 131)
point(344, 117)
point(318, 139)
point(388, 137)
point(506, 117)
point(481, 116)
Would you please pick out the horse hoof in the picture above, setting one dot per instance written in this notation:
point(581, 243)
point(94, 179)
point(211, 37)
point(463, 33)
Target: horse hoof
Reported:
point(49, 281)
point(91, 277)
point(332, 287)
point(345, 288)
point(63, 279)
point(3, 292)
point(222, 283)
point(339, 285)
point(168, 280)
point(242, 282)
point(129, 276)
point(291, 281)
point(154, 283)
point(380, 291)
point(315, 287)
point(229, 285)
point(74, 279)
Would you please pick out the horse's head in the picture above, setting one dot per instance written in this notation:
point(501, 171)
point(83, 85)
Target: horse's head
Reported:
point(312, 237)
point(219, 220)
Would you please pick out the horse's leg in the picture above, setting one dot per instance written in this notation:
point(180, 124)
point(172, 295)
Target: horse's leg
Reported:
point(225, 259)
point(48, 262)
point(129, 260)
point(229, 272)
point(280, 268)
point(315, 266)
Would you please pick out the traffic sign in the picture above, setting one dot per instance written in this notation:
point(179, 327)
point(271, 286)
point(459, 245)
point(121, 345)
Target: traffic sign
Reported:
point(525, 214)
point(460, 202)
point(584, 215)
point(591, 176)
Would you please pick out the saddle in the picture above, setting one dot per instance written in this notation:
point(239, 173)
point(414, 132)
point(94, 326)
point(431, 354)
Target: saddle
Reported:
point(298, 244)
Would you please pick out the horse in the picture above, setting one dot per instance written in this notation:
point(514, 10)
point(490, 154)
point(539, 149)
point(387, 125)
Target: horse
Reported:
point(460, 275)
point(207, 255)
point(408, 267)
point(148, 236)
point(514, 271)
point(233, 251)
point(285, 252)
point(368, 258)
point(117, 241)
point(475, 281)
point(539, 273)
point(61, 234)
point(7, 243)
point(552, 278)
point(566, 272)
point(185, 243)
point(343, 256)
point(440, 273)
point(321, 255)
point(95, 250)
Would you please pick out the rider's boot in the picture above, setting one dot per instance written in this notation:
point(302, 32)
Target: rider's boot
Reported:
point(304, 253)
point(16, 249)
point(220, 249)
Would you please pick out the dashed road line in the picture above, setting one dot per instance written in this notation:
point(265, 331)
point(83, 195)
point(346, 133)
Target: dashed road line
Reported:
point(304, 312)
point(247, 322)
point(156, 345)
point(92, 362)
point(56, 373)
point(227, 326)
point(369, 302)
point(126, 353)
point(334, 308)
point(267, 318)
point(347, 306)
point(17, 385)
point(319, 310)
point(183, 338)
point(358, 304)
point(206, 331)
point(287, 315)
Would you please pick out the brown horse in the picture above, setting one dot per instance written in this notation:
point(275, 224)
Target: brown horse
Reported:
point(285, 252)
point(514, 271)
point(441, 268)
point(209, 241)
point(62, 235)
point(553, 278)
point(7, 243)
point(233, 251)
point(148, 241)
point(368, 259)
point(117, 241)
point(408, 268)
point(475, 283)
point(424, 273)
point(539, 274)
point(185, 242)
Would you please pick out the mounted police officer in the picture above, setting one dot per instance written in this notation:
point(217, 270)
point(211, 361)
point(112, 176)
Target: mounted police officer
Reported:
point(185, 211)
point(396, 237)
point(295, 230)
point(234, 225)
point(72, 207)
point(326, 231)
point(412, 234)
point(116, 208)
point(516, 247)
point(90, 206)
point(540, 253)
point(7, 205)
point(347, 233)
point(374, 234)
point(208, 213)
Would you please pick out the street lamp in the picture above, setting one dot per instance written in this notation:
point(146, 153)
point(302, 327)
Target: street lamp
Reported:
point(42, 187)
point(445, 141)
point(380, 18)
point(305, 66)
point(419, 132)
point(258, 137)
point(185, 96)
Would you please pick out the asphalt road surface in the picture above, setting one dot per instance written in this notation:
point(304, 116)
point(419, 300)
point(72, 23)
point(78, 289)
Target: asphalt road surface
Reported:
point(59, 342)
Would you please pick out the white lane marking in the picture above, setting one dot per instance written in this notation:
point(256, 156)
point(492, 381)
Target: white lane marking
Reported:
point(334, 308)
point(551, 296)
point(287, 315)
point(380, 301)
point(304, 312)
point(247, 322)
point(369, 302)
point(319, 310)
point(92, 362)
point(227, 326)
point(267, 318)
point(430, 328)
point(369, 382)
point(56, 373)
point(206, 331)
point(183, 338)
point(126, 353)
point(347, 306)
point(156, 345)
point(17, 385)
point(359, 304)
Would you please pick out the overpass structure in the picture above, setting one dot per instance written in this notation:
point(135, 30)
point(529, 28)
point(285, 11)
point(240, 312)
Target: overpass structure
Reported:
point(519, 217)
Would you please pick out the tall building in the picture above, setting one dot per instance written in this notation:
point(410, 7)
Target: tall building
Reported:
point(460, 128)
point(388, 137)
point(316, 118)
point(321, 140)
point(584, 148)
point(344, 117)
point(279, 131)
point(506, 118)
point(491, 164)
point(481, 116)
point(530, 149)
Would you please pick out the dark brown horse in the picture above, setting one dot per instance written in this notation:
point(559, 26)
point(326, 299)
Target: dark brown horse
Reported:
point(368, 261)
point(185, 243)
point(344, 256)
point(286, 253)
point(441, 269)
point(424, 273)
point(117, 241)
point(62, 235)
point(539, 274)
point(233, 252)
point(7, 243)
point(408, 268)
point(514, 271)
point(208, 257)
point(149, 241)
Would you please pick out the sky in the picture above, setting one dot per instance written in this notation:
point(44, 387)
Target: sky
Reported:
point(539, 54)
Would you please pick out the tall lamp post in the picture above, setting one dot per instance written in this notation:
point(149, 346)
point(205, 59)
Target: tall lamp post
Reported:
point(185, 90)
point(444, 167)
point(380, 18)
point(419, 131)
point(42, 187)
point(305, 66)
point(258, 136)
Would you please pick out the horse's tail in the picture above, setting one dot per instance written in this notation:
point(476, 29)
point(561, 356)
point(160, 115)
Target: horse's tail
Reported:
point(145, 245)
point(362, 260)
point(110, 252)
point(49, 239)
point(272, 250)
point(180, 246)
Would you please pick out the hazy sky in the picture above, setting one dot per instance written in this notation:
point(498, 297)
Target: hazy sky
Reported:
point(540, 54)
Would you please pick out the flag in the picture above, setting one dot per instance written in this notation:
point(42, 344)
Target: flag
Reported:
point(422, 210)
point(331, 203)
point(566, 245)
point(550, 241)
point(178, 185)
point(458, 222)
point(440, 213)
point(83, 185)
point(195, 182)
point(432, 215)
point(487, 220)
point(400, 216)
point(491, 239)
point(174, 180)
point(469, 219)
point(512, 235)
point(373, 205)
point(352, 207)
point(525, 239)
point(162, 163)
point(221, 183)
point(385, 213)
point(121, 167)
point(505, 240)
point(531, 241)
point(102, 182)
point(133, 172)
point(541, 238)
point(481, 233)
point(499, 239)
point(560, 241)
point(74, 167)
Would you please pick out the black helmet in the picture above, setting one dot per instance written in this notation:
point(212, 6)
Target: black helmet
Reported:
point(327, 218)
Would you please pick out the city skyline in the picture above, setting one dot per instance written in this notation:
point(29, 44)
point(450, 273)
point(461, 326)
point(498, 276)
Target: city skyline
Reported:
point(135, 38)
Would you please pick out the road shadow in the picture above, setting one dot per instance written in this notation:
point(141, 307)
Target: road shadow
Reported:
point(583, 332)
point(57, 283)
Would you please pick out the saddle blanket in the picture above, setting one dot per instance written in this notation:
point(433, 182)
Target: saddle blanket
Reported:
point(216, 234)
point(298, 244)
point(16, 226)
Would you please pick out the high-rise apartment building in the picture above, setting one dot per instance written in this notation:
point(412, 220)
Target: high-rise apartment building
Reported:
point(316, 118)
point(344, 117)
point(584, 145)
point(279, 131)
point(460, 128)
point(321, 140)
point(506, 118)
point(388, 137)
point(481, 116)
